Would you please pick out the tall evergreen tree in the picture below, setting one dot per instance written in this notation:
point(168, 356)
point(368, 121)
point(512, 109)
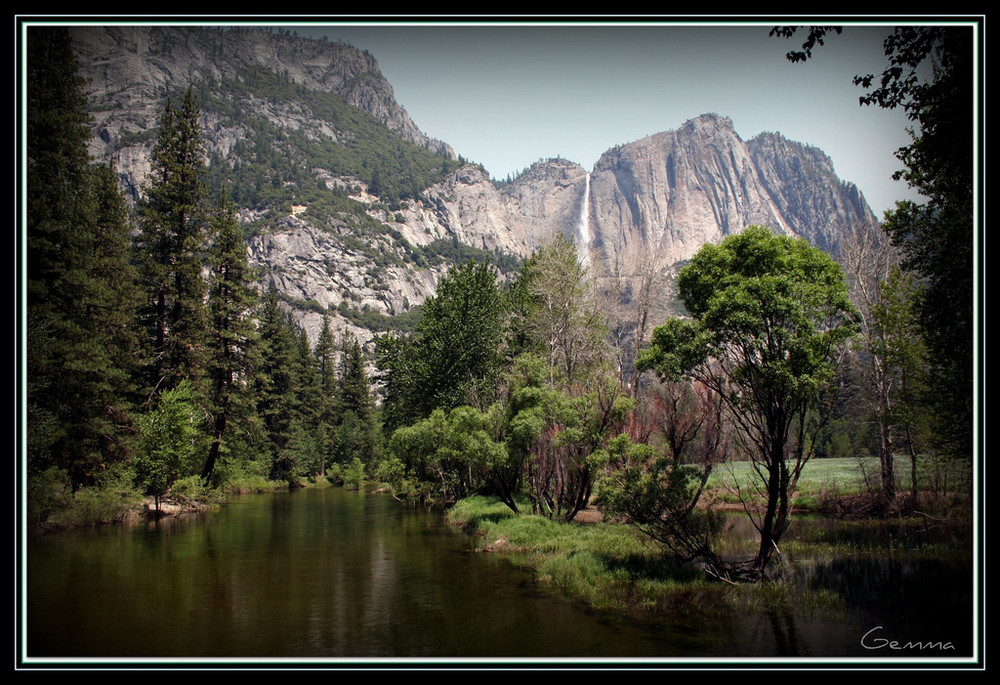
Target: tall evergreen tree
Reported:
point(173, 239)
point(326, 369)
point(233, 346)
point(357, 432)
point(354, 387)
point(78, 294)
point(325, 359)
point(286, 385)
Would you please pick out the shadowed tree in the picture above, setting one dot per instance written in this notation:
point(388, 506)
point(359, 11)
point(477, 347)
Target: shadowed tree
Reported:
point(80, 292)
point(935, 237)
point(173, 241)
point(234, 353)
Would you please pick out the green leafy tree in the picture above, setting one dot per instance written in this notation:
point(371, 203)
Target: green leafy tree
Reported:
point(768, 315)
point(655, 484)
point(452, 449)
point(455, 355)
point(169, 441)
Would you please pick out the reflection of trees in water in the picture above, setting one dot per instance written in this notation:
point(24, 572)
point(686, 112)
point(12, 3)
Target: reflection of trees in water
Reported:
point(786, 638)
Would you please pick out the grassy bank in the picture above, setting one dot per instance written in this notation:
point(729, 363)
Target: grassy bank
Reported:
point(606, 565)
point(52, 505)
point(612, 566)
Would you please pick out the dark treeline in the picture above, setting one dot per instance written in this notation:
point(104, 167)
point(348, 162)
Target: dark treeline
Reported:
point(143, 372)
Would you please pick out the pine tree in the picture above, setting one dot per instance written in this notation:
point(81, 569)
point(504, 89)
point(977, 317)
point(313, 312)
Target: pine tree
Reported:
point(173, 239)
point(79, 297)
point(327, 372)
point(357, 432)
point(325, 359)
point(234, 342)
point(354, 388)
point(278, 387)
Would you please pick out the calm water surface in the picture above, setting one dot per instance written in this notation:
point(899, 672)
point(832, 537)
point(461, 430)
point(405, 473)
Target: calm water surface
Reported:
point(331, 573)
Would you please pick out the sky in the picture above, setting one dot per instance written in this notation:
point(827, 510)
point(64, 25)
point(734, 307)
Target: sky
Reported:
point(506, 95)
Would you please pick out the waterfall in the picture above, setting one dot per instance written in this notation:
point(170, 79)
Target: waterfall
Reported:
point(583, 226)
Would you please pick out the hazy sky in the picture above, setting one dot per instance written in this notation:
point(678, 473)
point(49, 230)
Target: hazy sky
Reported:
point(506, 95)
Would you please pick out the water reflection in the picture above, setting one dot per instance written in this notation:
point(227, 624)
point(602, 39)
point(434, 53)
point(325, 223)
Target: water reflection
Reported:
point(329, 573)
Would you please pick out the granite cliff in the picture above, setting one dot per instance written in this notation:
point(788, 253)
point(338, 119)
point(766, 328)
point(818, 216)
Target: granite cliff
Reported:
point(349, 208)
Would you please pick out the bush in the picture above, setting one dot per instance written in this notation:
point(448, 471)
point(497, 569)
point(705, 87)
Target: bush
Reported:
point(48, 493)
point(193, 488)
point(392, 472)
point(110, 501)
point(354, 474)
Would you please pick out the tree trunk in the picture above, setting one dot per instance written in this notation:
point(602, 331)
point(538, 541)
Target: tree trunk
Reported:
point(213, 452)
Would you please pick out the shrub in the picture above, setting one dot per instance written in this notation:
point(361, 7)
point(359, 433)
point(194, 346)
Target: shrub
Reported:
point(354, 474)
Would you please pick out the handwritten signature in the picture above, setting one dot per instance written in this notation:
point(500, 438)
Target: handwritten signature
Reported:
point(871, 642)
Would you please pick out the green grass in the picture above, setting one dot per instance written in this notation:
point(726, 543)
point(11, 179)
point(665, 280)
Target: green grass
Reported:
point(822, 479)
point(607, 565)
point(613, 567)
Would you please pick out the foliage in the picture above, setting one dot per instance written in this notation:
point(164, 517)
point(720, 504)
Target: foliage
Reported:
point(80, 296)
point(172, 242)
point(354, 474)
point(656, 489)
point(233, 346)
point(48, 492)
point(454, 356)
point(891, 358)
point(606, 565)
point(377, 322)
point(454, 252)
point(169, 441)
point(452, 449)
point(769, 314)
point(657, 495)
point(109, 500)
point(936, 237)
point(558, 315)
point(273, 165)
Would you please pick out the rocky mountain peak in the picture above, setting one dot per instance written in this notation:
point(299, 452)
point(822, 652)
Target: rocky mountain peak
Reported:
point(349, 221)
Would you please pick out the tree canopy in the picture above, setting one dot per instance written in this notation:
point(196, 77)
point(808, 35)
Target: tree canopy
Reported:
point(768, 315)
point(454, 353)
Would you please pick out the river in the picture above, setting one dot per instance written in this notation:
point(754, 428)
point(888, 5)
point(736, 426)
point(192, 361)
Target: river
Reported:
point(333, 574)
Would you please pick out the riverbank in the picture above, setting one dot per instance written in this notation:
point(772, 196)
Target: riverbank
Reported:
point(612, 566)
point(52, 507)
point(606, 565)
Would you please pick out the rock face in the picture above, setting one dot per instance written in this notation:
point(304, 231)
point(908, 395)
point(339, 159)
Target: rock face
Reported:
point(672, 192)
point(132, 68)
point(658, 198)
point(540, 203)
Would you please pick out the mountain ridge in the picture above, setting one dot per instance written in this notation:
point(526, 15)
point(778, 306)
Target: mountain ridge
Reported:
point(338, 215)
